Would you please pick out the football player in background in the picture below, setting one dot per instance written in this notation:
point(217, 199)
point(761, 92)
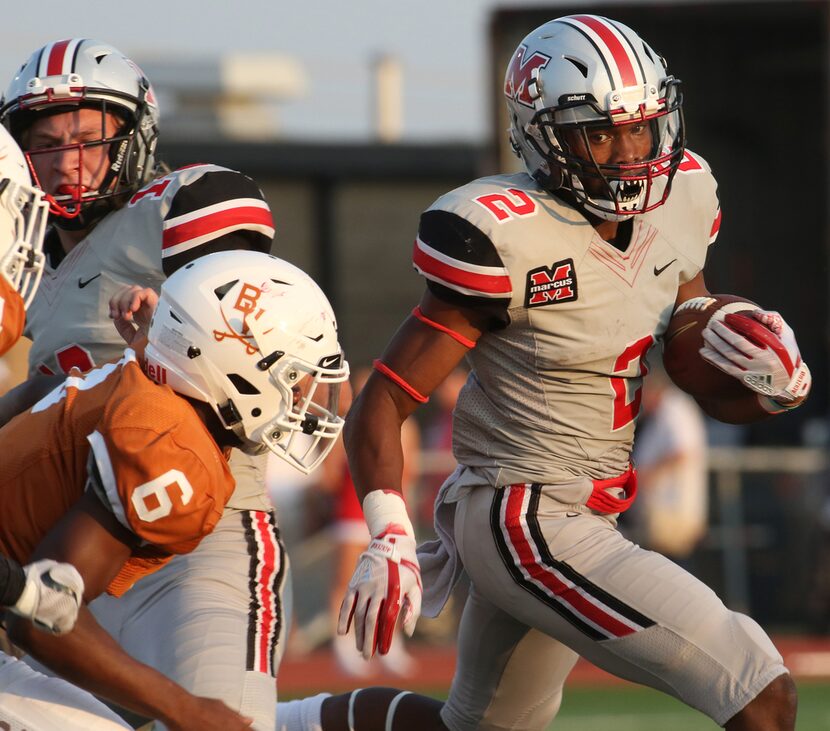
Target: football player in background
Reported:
point(87, 119)
point(130, 467)
point(555, 284)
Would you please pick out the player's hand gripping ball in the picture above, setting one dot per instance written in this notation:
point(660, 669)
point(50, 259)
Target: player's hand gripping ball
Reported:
point(683, 341)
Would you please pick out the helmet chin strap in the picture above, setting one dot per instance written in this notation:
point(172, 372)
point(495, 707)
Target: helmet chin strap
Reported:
point(90, 214)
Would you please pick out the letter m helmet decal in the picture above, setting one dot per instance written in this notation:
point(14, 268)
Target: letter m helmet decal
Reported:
point(520, 74)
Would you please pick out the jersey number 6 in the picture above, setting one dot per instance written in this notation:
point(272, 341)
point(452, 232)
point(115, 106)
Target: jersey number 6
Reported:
point(152, 499)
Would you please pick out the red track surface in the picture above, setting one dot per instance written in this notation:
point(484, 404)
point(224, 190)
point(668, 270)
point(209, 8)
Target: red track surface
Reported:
point(807, 657)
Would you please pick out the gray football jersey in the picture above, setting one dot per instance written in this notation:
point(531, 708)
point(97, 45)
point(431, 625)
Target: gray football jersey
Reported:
point(188, 213)
point(555, 387)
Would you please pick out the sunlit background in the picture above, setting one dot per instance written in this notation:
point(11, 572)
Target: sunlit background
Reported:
point(353, 117)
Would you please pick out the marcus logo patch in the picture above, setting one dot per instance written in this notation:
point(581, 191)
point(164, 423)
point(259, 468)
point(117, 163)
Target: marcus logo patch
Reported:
point(551, 285)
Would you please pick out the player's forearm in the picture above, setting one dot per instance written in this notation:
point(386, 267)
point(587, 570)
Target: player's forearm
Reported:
point(372, 437)
point(89, 658)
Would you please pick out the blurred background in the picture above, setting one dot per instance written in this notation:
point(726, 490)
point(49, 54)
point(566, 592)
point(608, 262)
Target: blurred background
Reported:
point(353, 117)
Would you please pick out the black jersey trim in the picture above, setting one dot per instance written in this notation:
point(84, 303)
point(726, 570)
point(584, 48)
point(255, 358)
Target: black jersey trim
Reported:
point(215, 186)
point(457, 238)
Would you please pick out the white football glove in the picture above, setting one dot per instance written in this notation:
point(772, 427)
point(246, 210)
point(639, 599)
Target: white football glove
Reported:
point(51, 596)
point(387, 580)
point(759, 349)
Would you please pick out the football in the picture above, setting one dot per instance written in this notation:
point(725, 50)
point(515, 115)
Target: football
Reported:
point(683, 341)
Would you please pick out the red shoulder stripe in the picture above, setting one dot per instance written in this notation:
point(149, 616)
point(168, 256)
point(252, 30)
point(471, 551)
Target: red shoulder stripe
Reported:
point(456, 275)
point(199, 228)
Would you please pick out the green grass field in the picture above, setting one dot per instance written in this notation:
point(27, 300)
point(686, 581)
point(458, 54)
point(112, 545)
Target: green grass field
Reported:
point(629, 708)
point(591, 702)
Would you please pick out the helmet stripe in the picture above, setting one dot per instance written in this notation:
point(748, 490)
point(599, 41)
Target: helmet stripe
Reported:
point(73, 52)
point(55, 59)
point(608, 35)
point(628, 43)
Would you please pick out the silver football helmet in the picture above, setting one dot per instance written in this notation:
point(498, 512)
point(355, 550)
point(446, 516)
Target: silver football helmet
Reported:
point(81, 72)
point(23, 214)
point(256, 338)
point(583, 72)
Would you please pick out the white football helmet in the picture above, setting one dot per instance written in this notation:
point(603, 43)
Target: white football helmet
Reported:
point(256, 338)
point(23, 214)
point(581, 72)
point(82, 72)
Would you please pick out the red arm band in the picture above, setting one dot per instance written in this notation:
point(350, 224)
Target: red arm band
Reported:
point(458, 337)
point(381, 367)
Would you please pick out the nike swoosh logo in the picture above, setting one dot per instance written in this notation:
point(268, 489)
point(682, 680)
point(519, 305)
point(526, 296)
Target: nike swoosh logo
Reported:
point(82, 283)
point(658, 272)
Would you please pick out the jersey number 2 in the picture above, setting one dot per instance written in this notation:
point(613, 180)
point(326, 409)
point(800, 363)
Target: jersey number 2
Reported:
point(514, 203)
point(625, 411)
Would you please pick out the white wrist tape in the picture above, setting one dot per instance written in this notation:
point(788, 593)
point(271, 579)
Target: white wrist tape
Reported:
point(27, 602)
point(384, 507)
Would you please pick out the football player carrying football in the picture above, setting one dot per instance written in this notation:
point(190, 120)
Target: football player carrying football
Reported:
point(130, 467)
point(555, 284)
point(87, 119)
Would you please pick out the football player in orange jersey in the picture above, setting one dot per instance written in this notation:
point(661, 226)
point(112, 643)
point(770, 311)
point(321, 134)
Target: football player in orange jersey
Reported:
point(555, 283)
point(131, 464)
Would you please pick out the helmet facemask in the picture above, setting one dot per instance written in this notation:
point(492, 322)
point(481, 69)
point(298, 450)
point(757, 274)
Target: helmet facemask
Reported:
point(23, 214)
point(23, 264)
point(304, 433)
point(624, 189)
point(74, 206)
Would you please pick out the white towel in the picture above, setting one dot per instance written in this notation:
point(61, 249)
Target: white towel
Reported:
point(441, 566)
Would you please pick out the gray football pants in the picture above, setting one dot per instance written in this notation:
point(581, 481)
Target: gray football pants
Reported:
point(550, 581)
point(212, 620)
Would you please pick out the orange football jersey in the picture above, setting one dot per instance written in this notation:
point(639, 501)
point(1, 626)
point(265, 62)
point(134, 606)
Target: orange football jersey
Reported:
point(143, 449)
point(12, 315)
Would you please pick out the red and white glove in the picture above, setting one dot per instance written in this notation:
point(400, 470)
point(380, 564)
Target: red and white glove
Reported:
point(759, 349)
point(51, 596)
point(387, 580)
